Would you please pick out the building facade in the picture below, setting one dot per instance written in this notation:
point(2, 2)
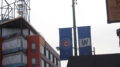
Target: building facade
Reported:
point(22, 46)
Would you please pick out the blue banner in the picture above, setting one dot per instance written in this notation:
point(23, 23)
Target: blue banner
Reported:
point(65, 43)
point(84, 40)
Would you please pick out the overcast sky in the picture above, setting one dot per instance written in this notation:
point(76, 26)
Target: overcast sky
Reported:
point(47, 16)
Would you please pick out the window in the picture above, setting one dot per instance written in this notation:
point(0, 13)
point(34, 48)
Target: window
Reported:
point(55, 60)
point(58, 63)
point(47, 65)
point(33, 62)
point(47, 53)
point(51, 57)
point(33, 47)
point(41, 49)
point(44, 51)
point(42, 63)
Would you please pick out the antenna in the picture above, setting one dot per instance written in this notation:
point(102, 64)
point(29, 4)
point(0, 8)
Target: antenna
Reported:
point(11, 9)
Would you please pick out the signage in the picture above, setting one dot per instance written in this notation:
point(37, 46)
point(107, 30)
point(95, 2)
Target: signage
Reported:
point(84, 39)
point(113, 11)
point(65, 43)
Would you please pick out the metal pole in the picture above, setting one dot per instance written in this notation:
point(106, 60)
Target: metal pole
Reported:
point(74, 27)
point(1, 9)
point(29, 11)
point(94, 50)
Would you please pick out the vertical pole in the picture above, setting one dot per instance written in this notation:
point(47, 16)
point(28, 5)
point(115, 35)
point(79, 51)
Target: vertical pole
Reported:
point(1, 31)
point(29, 11)
point(1, 9)
point(94, 50)
point(14, 9)
point(74, 27)
point(8, 11)
point(119, 41)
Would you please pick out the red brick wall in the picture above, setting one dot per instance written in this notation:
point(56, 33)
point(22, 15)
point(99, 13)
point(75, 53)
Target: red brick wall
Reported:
point(1, 40)
point(36, 54)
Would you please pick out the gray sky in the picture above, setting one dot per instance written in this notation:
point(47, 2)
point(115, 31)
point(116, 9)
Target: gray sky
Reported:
point(47, 16)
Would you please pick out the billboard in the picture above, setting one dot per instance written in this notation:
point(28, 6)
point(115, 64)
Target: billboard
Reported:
point(84, 40)
point(113, 11)
point(65, 43)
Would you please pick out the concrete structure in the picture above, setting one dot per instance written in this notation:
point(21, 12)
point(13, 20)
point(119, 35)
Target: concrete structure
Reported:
point(22, 46)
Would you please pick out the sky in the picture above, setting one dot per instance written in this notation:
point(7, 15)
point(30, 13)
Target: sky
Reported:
point(47, 16)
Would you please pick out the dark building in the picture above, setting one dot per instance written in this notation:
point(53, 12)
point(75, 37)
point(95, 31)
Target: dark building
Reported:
point(110, 60)
point(22, 46)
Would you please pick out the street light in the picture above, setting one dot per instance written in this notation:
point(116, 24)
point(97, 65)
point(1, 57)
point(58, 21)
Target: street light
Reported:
point(74, 27)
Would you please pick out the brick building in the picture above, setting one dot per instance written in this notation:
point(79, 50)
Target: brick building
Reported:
point(22, 46)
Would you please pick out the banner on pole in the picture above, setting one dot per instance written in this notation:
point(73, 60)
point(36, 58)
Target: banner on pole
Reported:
point(113, 11)
point(84, 39)
point(65, 43)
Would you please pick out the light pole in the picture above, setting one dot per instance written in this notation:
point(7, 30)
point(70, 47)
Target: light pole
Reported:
point(74, 28)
